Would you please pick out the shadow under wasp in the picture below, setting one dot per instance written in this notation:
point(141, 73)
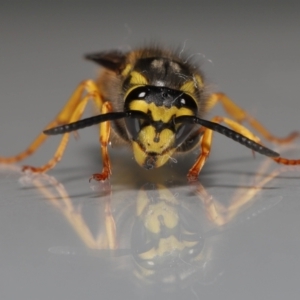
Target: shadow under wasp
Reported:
point(153, 99)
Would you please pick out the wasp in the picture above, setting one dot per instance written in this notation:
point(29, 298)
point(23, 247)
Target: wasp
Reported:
point(154, 99)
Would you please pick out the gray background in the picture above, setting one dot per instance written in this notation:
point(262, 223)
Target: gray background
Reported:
point(249, 49)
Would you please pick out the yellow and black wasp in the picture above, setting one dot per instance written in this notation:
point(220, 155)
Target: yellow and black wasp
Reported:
point(154, 99)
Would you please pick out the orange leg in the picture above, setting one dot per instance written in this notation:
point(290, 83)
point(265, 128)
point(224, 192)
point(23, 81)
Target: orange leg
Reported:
point(285, 161)
point(206, 142)
point(72, 111)
point(240, 115)
point(104, 139)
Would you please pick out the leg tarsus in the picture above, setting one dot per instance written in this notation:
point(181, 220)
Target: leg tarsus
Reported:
point(197, 167)
point(286, 161)
point(100, 176)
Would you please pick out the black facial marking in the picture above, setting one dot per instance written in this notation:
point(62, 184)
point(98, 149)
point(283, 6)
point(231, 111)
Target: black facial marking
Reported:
point(161, 96)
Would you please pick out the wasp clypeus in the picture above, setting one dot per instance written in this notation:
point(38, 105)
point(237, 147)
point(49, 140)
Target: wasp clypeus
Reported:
point(155, 100)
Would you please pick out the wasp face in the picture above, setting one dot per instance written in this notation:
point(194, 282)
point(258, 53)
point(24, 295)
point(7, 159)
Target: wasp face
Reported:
point(155, 139)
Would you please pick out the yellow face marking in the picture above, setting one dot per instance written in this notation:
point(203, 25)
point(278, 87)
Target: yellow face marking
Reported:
point(147, 136)
point(162, 113)
point(141, 155)
point(140, 105)
point(159, 113)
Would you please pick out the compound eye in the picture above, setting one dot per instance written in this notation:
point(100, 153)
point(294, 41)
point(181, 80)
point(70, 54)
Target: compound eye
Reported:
point(133, 126)
point(187, 101)
point(138, 93)
point(182, 133)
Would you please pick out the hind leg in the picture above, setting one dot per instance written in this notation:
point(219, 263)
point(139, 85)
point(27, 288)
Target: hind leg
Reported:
point(239, 115)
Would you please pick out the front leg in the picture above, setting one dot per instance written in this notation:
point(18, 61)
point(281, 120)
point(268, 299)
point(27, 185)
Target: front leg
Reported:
point(104, 140)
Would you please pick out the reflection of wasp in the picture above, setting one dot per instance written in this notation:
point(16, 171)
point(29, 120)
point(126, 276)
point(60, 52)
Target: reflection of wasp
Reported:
point(162, 236)
point(155, 99)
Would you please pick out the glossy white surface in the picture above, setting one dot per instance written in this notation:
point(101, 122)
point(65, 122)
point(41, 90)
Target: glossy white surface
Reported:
point(251, 52)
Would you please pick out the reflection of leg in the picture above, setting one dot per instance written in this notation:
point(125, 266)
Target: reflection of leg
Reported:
point(110, 226)
point(71, 112)
point(61, 200)
point(218, 213)
point(240, 115)
point(58, 196)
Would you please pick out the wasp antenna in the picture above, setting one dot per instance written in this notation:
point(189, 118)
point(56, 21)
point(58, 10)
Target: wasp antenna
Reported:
point(229, 133)
point(84, 123)
point(93, 121)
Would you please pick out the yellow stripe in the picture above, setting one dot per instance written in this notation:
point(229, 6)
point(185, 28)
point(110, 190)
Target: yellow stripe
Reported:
point(199, 81)
point(188, 87)
point(140, 105)
point(126, 70)
point(159, 113)
point(137, 78)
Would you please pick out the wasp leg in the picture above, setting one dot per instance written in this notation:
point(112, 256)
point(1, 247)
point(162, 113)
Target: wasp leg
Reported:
point(206, 142)
point(104, 138)
point(240, 115)
point(71, 112)
point(286, 161)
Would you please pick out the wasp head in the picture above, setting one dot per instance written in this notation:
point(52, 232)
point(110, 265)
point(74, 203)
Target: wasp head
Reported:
point(156, 138)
